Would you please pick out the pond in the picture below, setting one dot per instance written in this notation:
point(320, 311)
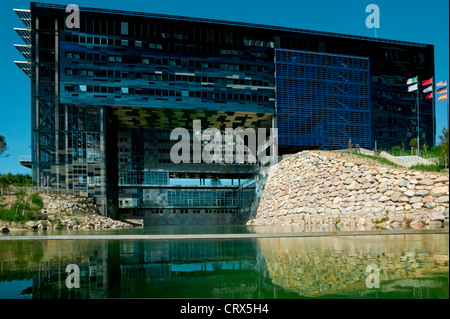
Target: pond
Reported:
point(369, 266)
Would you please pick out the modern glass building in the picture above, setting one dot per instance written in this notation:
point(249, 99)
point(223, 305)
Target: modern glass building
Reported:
point(106, 94)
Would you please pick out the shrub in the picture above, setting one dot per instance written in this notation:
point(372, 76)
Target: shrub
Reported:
point(37, 201)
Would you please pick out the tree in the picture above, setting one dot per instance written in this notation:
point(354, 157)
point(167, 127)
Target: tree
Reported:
point(3, 146)
point(444, 141)
point(413, 143)
point(425, 146)
point(349, 145)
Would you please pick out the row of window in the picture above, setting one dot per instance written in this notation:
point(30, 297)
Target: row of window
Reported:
point(168, 31)
point(98, 40)
point(390, 120)
point(157, 76)
point(104, 41)
point(102, 57)
point(389, 133)
point(174, 93)
point(194, 211)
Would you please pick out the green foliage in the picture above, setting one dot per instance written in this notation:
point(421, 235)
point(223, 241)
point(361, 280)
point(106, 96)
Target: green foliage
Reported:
point(16, 180)
point(413, 142)
point(36, 200)
point(396, 148)
point(22, 208)
point(425, 146)
point(349, 144)
point(381, 160)
point(3, 145)
point(444, 138)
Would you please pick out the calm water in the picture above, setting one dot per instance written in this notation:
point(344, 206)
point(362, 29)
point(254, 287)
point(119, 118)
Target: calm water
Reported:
point(410, 266)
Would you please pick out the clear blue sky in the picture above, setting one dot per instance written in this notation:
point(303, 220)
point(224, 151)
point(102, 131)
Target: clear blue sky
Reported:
point(408, 20)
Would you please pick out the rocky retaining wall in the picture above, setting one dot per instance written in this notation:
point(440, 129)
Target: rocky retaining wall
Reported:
point(313, 189)
point(67, 212)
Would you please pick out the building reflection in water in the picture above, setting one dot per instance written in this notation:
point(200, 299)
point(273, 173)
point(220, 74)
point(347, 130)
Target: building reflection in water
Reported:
point(411, 266)
point(151, 269)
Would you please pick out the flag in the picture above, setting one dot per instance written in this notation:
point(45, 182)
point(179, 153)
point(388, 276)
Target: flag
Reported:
point(429, 96)
point(412, 87)
point(427, 82)
point(442, 83)
point(443, 97)
point(443, 90)
point(412, 80)
point(428, 89)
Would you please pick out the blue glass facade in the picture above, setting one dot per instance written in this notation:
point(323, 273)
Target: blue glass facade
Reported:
point(323, 100)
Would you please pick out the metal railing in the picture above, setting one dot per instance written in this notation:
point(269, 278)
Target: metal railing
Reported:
point(24, 158)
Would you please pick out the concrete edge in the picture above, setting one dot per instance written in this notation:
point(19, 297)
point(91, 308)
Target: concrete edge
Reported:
point(224, 236)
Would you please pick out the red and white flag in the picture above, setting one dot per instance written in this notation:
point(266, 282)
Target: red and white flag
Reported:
point(427, 82)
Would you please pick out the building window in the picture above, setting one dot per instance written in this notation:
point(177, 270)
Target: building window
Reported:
point(124, 28)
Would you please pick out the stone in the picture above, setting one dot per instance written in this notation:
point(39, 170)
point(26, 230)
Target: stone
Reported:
point(389, 192)
point(416, 224)
point(353, 185)
point(430, 205)
point(442, 199)
point(439, 217)
point(435, 224)
point(439, 191)
point(410, 193)
point(395, 196)
point(415, 199)
point(441, 179)
point(375, 196)
point(427, 199)
point(404, 183)
point(422, 192)
point(31, 224)
point(426, 181)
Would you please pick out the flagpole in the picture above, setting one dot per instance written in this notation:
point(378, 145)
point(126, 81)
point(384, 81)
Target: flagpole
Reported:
point(418, 125)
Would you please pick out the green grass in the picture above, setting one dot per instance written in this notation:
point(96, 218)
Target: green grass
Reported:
point(428, 168)
point(22, 208)
point(36, 200)
point(380, 160)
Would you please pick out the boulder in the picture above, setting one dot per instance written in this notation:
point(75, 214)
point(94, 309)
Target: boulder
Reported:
point(31, 225)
